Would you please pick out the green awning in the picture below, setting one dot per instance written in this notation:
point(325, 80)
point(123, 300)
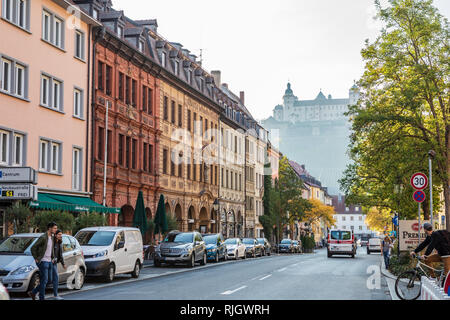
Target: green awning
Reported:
point(49, 201)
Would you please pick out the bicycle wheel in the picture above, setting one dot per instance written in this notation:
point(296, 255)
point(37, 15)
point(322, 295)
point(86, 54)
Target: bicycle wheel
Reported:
point(408, 285)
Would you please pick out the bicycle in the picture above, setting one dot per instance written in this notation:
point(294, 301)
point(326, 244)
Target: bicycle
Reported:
point(408, 285)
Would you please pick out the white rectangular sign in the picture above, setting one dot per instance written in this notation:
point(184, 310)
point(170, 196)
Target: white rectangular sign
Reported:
point(409, 235)
point(18, 174)
point(11, 191)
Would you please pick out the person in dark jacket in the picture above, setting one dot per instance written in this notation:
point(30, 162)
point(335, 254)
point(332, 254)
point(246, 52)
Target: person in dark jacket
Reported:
point(43, 253)
point(435, 240)
point(58, 250)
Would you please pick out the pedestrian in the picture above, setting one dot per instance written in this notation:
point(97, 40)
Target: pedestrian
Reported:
point(58, 258)
point(43, 253)
point(386, 246)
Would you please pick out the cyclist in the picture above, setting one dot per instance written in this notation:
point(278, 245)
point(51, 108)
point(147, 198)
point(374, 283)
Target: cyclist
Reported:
point(439, 240)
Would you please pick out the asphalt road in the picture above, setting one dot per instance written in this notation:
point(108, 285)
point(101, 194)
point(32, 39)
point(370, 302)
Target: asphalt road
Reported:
point(284, 277)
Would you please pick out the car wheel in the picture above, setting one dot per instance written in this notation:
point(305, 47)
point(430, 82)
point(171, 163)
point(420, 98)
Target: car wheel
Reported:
point(269, 253)
point(109, 276)
point(137, 270)
point(353, 256)
point(245, 255)
point(203, 262)
point(329, 255)
point(157, 264)
point(34, 282)
point(191, 263)
point(78, 281)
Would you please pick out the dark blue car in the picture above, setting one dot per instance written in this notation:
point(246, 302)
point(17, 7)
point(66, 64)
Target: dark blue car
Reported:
point(216, 248)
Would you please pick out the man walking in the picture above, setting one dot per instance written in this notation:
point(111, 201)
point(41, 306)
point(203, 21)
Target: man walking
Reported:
point(43, 253)
point(439, 240)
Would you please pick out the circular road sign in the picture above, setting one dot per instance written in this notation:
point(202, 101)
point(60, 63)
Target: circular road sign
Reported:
point(419, 181)
point(419, 196)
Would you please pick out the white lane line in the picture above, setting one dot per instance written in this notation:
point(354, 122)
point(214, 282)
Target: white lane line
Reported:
point(281, 270)
point(233, 291)
point(263, 278)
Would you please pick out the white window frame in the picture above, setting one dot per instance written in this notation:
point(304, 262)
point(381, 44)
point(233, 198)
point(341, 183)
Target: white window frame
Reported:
point(141, 46)
point(5, 12)
point(5, 156)
point(54, 157)
point(57, 96)
point(14, 13)
point(20, 84)
point(46, 26)
point(43, 155)
point(78, 107)
point(6, 80)
point(21, 150)
point(24, 13)
point(76, 168)
point(120, 31)
point(79, 44)
point(163, 59)
point(45, 93)
point(58, 26)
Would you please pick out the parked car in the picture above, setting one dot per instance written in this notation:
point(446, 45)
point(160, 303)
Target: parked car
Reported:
point(286, 246)
point(252, 247)
point(235, 249)
point(112, 250)
point(181, 247)
point(341, 242)
point(3, 293)
point(266, 244)
point(374, 245)
point(297, 246)
point(216, 249)
point(18, 269)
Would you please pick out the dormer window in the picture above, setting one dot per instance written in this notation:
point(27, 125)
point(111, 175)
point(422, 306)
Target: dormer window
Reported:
point(202, 84)
point(141, 46)
point(176, 67)
point(120, 31)
point(189, 76)
point(163, 59)
point(95, 14)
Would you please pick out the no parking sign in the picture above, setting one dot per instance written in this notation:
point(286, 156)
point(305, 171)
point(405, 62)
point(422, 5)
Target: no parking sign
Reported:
point(419, 196)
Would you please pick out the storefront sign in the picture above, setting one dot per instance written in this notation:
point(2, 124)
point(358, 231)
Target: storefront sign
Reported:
point(409, 234)
point(18, 175)
point(18, 192)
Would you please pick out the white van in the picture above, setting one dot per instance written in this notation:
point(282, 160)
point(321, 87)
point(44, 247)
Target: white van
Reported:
point(341, 242)
point(374, 245)
point(111, 250)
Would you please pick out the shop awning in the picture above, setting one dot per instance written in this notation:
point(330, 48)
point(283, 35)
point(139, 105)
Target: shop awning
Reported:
point(49, 201)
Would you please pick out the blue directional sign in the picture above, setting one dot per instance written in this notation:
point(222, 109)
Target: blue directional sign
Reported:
point(395, 221)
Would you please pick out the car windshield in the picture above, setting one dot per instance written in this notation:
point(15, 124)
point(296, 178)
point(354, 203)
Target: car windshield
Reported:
point(285, 241)
point(295, 242)
point(261, 241)
point(341, 235)
point(210, 239)
point(231, 241)
point(248, 241)
point(95, 238)
point(16, 245)
point(180, 237)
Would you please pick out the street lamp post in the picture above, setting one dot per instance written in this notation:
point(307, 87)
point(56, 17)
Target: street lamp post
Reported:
point(431, 155)
point(216, 211)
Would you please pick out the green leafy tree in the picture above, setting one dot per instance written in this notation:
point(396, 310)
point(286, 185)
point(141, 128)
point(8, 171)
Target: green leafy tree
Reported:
point(85, 220)
point(64, 220)
point(403, 111)
point(171, 223)
point(19, 215)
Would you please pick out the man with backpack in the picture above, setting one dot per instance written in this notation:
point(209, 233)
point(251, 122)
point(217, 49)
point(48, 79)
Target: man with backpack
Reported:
point(439, 240)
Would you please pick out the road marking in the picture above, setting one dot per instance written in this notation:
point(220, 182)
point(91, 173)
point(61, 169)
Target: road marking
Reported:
point(281, 270)
point(233, 291)
point(263, 278)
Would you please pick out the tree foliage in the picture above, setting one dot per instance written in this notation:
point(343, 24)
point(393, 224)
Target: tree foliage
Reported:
point(377, 219)
point(403, 111)
point(64, 220)
point(19, 215)
point(85, 220)
point(320, 212)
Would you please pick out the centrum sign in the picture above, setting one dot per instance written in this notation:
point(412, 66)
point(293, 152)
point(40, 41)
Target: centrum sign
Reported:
point(409, 234)
point(18, 175)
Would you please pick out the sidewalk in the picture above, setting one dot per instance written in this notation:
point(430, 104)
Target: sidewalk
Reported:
point(390, 279)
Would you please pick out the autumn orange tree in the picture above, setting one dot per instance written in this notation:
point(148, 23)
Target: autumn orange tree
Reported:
point(318, 212)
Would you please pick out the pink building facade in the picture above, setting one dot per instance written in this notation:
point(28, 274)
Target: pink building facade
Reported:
point(45, 93)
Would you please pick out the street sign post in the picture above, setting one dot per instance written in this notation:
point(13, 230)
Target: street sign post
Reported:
point(419, 181)
point(18, 191)
point(18, 175)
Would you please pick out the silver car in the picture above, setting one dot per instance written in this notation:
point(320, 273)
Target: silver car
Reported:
point(18, 270)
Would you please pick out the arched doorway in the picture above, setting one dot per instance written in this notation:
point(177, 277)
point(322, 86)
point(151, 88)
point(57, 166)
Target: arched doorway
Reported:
point(215, 220)
point(126, 216)
point(204, 221)
point(191, 218)
point(231, 224)
point(179, 217)
point(168, 210)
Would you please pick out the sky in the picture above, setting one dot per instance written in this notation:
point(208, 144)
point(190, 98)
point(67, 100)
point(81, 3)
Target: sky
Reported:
point(260, 45)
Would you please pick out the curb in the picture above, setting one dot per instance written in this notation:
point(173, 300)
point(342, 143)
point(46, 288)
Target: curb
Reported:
point(390, 279)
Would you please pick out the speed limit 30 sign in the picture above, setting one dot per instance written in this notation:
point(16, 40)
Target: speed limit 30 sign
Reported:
point(419, 181)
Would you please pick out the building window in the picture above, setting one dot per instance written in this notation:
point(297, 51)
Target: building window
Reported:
point(4, 147)
point(144, 160)
point(133, 92)
point(76, 169)
point(51, 93)
point(121, 78)
point(52, 29)
point(13, 78)
point(172, 113)
point(180, 116)
point(150, 101)
point(78, 103)
point(144, 98)
point(50, 156)
point(347, 209)
point(6, 75)
point(356, 209)
point(58, 29)
point(101, 144)
point(79, 44)
point(108, 80)
point(120, 151)
point(165, 108)
point(360, 218)
point(15, 11)
point(360, 228)
point(150, 157)
point(165, 161)
point(100, 76)
point(18, 150)
point(127, 152)
point(95, 14)
point(20, 81)
point(133, 153)
point(127, 90)
point(189, 76)
point(119, 31)
point(351, 218)
point(343, 218)
point(176, 67)
point(141, 46)
point(172, 163)
point(189, 125)
point(163, 59)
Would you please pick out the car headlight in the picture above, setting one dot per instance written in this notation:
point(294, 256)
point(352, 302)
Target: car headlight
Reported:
point(187, 249)
point(22, 270)
point(101, 254)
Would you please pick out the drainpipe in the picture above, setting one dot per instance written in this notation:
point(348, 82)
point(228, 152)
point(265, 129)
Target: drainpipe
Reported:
point(88, 112)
